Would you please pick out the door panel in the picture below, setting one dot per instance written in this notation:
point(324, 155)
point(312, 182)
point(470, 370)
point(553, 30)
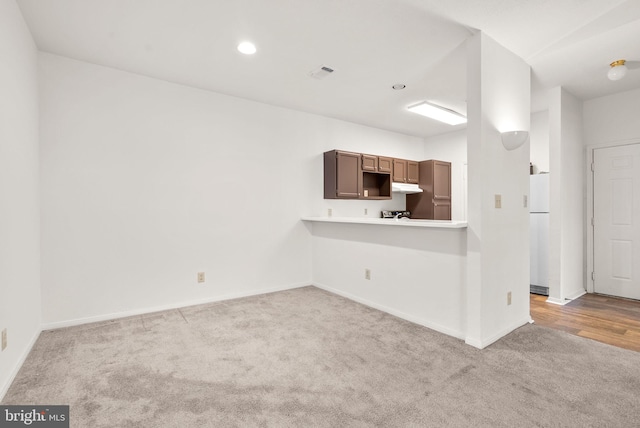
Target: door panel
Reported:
point(413, 172)
point(400, 170)
point(616, 211)
point(441, 210)
point(442, 180)
point(348, 175)
point(385, 164)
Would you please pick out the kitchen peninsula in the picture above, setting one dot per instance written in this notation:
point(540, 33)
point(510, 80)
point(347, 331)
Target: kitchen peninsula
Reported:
point(413, 269)
point(405, 222)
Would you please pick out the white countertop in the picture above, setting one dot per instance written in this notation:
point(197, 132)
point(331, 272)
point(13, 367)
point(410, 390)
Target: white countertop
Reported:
point(442, 224)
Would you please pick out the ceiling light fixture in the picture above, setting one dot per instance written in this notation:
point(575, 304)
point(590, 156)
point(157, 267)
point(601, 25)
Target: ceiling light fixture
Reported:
point(247, 48)
point(438, 113)
point(618, 70)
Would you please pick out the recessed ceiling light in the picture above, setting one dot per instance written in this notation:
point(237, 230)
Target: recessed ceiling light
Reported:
point(399, 86)
point(438, 113)
point(247, 48)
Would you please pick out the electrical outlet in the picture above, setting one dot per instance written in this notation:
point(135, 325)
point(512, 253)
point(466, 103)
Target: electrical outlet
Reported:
point(525, 201)
point(498, 201)
point(508, 298)
point(329, 212)
point(367, 274)
point(200, 276)
point(4, 339)
point(366, 211)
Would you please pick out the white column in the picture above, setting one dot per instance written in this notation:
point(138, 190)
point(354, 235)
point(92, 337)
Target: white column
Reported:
point(566, 218)
point(498, 89)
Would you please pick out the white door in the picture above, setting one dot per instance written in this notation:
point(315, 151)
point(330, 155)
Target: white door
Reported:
point(616, 214)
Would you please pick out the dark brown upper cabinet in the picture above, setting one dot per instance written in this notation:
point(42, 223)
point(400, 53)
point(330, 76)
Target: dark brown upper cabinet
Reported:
point(376, 177)
point(355, 176)
point(405, 171)
point(413, 172)
point(377, 163)
point(342, 175)
point(385, 164)
point(376, 185)
point(434, 203)
point(400, 170)
point(369, 163)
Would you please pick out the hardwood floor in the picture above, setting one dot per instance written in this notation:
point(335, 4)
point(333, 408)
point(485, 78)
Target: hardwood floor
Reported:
point(603, 318)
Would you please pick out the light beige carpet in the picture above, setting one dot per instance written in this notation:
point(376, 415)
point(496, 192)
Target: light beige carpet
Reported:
point(305, 357)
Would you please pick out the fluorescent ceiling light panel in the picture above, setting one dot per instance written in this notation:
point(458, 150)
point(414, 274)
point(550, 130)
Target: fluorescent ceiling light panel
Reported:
point(438, 113)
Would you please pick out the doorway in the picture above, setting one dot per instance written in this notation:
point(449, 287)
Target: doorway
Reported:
point(616, 221)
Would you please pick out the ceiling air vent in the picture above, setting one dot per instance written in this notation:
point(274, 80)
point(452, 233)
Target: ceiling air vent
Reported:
point(321, 72)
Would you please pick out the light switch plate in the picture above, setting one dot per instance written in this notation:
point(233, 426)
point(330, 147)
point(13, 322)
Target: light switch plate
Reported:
point(525, 201)
point(4, 339)
point(498, 201)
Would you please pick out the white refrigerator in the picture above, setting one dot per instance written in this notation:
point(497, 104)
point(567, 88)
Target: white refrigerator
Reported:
point(539, 233)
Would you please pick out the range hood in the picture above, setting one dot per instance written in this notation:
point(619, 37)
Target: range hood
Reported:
point(405, 188)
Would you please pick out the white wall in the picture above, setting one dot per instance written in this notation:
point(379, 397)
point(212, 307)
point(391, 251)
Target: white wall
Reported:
point(612, 118)
point(452, 147)
point(145, 183)
point(20, 303)
point(539, 145)
point(497, 238)
point(567, 203)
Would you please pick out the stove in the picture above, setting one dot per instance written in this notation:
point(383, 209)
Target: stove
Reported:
point(396, 214)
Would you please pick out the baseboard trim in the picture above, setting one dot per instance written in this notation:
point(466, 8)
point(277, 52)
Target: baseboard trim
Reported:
point(575, 295)
point(481, 344)
point(555, 301)
point(416, 320)
point(143, 311)
point(566, 300)
point(4, 388)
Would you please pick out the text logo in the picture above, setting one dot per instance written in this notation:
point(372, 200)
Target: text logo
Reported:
point(34, 416)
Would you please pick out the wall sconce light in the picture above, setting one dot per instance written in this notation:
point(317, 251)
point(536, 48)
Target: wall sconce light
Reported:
point(513, 139)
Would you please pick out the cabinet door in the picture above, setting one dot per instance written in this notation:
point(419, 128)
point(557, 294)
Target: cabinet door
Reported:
point(442, 180)
point(369, 163)
point(400, 170)
point(347, 175)
point(412, 172)
point(385, 164)
point(441, 210)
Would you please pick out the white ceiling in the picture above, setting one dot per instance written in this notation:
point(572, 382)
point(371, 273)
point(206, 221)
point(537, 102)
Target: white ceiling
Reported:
point(371, 44)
